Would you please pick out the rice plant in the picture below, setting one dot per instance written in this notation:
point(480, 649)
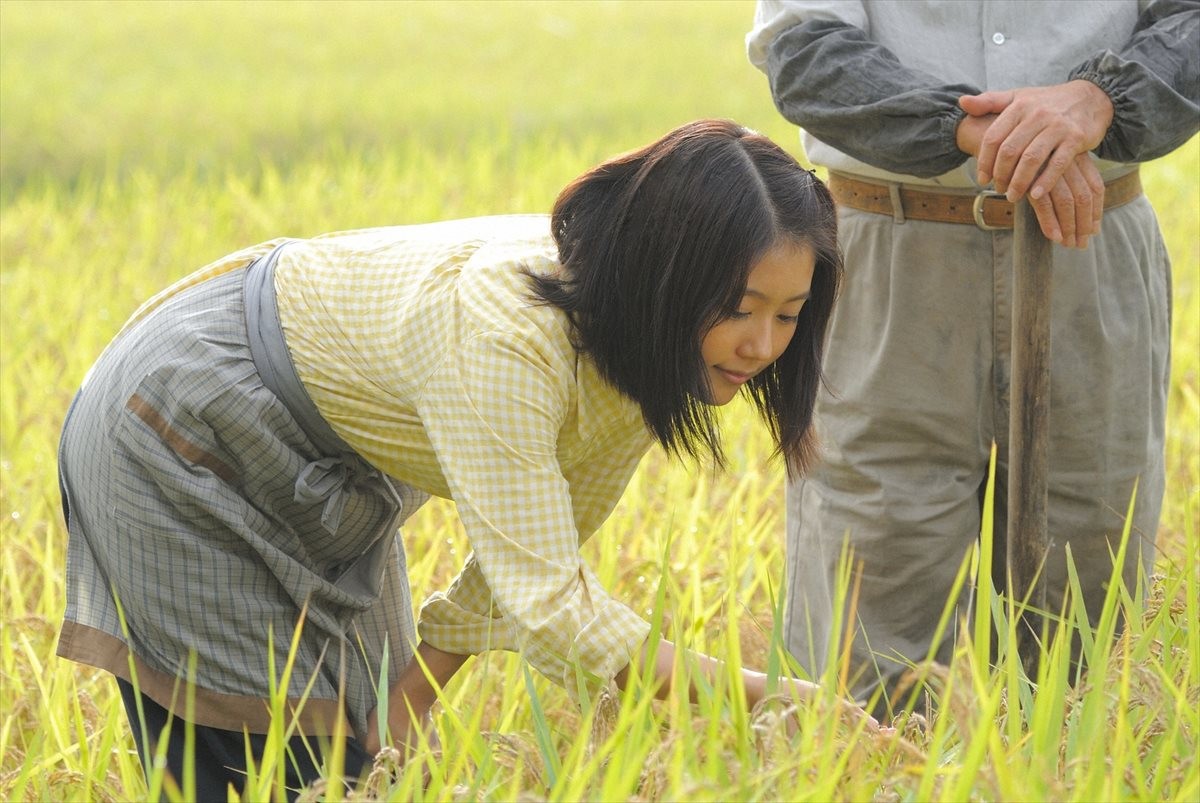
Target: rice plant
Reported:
point(122, 168)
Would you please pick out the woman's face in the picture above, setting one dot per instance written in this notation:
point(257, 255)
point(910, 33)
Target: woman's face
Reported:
point(752, 338)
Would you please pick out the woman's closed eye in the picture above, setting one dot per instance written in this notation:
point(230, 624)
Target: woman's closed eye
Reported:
point(738, 315)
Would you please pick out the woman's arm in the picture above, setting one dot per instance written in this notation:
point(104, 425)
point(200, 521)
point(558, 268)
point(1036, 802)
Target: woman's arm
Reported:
point(431, 669)
point(415, 690)
point(754, 683)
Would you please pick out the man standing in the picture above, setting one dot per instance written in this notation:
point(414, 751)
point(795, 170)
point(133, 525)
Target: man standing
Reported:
point(915, 108)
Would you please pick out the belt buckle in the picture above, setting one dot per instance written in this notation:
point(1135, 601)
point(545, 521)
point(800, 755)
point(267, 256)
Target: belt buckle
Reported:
point(977, 209)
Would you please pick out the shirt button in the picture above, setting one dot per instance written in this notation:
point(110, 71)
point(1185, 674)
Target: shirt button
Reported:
point(998, 38)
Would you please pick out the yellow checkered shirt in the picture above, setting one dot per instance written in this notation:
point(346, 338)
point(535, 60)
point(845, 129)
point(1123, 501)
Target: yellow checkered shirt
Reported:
point(421, 348)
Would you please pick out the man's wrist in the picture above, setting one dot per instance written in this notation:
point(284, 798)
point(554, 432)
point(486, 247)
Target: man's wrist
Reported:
point(1097, 109)
point(970, 131)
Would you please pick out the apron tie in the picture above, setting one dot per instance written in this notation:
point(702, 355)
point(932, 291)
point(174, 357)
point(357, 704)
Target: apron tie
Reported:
point(325, 480)
point(330, 480)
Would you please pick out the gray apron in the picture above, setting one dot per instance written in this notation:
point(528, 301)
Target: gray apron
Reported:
point(213, 513)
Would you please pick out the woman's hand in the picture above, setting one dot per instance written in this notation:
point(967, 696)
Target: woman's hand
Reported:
point(793, 688)
point(754, 683)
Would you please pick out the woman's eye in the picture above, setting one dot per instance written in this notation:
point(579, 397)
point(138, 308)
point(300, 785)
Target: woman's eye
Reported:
point(789, 318)
point(738, 315)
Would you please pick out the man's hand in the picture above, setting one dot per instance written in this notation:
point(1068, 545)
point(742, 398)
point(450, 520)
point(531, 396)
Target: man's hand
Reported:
point(1037, 133)
point(1070, 212)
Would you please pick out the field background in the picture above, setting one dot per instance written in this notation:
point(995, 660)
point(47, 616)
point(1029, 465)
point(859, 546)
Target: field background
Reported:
point(139, 141)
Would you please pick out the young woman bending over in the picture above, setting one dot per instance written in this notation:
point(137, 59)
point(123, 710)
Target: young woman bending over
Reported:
point(238, 461)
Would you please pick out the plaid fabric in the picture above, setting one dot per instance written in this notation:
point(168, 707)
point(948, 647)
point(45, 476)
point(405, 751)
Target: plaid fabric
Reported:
point(419, 347)
point(180, 471)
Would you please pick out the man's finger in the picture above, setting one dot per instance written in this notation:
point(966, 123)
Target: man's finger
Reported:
point(996, 134)
point(1066, 212)
point(1032, 161)
point(1042, 167)
point(1081, 194)
point(1091, 175)
point(1043, 209)
point(1009, 140)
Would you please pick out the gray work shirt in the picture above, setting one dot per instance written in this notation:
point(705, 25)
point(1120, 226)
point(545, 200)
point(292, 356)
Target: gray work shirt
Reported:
point(875, 85)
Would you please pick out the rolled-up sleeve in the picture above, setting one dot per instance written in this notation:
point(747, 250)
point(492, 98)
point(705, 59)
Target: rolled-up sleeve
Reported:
point(1153, 82)
point(831, 79)
point(493, 412)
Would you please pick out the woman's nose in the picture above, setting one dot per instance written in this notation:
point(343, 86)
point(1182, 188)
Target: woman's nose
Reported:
point(756, 345)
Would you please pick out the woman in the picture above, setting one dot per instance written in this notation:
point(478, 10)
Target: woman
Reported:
point(238, 461)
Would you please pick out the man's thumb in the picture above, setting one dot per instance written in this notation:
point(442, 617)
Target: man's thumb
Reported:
point(985, 103)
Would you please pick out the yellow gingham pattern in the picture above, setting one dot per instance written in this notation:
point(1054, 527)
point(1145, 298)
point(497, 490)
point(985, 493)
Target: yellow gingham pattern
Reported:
point(420, 347)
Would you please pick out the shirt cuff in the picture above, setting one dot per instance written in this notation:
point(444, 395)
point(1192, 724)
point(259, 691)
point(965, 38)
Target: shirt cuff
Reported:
point(950, 120)
point(1109, 82)
point(603, 647)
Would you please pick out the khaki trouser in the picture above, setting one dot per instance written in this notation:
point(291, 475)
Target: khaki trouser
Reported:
point(918, 388)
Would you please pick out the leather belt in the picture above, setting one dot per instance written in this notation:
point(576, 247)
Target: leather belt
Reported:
point(988, 210)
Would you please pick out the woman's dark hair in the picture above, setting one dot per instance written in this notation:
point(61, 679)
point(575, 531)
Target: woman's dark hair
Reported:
point(657, 246)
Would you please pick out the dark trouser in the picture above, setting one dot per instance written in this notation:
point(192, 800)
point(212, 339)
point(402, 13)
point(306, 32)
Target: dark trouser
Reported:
point(219, 756)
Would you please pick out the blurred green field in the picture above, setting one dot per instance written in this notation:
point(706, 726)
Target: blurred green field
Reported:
point(141, 140)
point(212, 87)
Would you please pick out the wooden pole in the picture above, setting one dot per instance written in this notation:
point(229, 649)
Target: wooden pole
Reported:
point(1029, 413)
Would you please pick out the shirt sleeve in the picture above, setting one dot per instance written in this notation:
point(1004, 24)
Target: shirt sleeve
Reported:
point(1153, 82)
point(493, 413)
point(831, 79)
